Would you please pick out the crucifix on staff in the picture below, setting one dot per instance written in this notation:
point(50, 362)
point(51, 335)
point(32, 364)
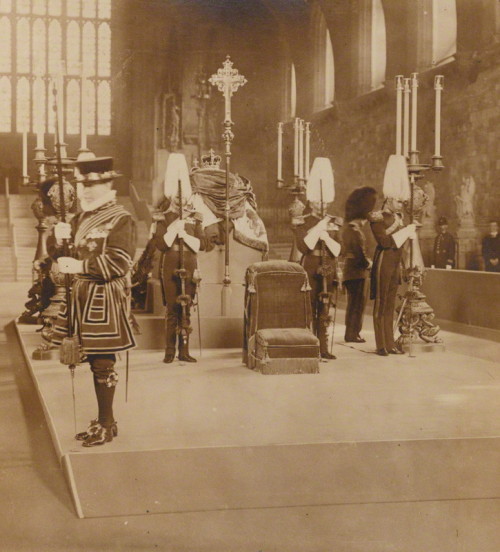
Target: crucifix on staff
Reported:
point(228, 80)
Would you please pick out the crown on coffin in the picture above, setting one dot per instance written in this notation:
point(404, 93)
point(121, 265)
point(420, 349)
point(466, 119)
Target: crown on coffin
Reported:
point(210, 160)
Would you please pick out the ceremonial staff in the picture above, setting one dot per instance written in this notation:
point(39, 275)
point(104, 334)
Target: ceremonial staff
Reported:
point(70, 346)
point(227, 80)
point(183, 299)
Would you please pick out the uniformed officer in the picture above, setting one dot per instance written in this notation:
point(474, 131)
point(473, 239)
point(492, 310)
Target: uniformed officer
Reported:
point(356, 261)
point(390, 234)
point(444, 246)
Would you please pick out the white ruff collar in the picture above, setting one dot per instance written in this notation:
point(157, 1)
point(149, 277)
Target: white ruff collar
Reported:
point(88, 206)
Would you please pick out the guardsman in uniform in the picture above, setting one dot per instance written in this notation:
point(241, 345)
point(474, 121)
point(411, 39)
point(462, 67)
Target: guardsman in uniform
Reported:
point(491, 248)
point(444, 246)
point(359, 204)
point(317, 241)
point(104, 238)
point(179, 236)
point(390, 234)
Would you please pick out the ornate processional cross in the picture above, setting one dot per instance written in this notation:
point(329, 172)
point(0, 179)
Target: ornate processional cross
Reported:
point(227, 80)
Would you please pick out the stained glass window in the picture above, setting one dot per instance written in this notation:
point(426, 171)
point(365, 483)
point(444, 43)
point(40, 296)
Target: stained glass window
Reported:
point(329, 71)
point(37, 39)
point(5, 105)
point(378, 45)
point(5, 38)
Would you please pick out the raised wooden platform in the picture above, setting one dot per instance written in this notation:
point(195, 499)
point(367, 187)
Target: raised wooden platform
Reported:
point(216, 435)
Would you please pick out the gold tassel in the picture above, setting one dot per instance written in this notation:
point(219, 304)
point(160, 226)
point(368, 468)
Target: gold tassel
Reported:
point(70, 351)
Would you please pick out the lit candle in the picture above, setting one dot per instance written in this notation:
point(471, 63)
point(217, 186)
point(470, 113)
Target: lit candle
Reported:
point(280, 150)
point(414, 88)
point(308, 149)
point(25, 153)
point(296, 147)
point(301, 148)
point(83, 118)
point(406, 117)
point(399, 106)
point(438, 87)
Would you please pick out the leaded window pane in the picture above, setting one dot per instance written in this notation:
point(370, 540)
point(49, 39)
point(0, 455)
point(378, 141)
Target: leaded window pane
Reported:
point(89, 8)
point(55, 47)
point(5, 105)
point(88, 51)
point(5, 49)
point(39, 7)
point(104, 49)
point(104, 108)
point(39, 105)
point(91, 107)
point(39, 58)
point(73, 8)
point(5, 6)
point(23, 6)
point(23, 46)
point(73, 107)
point(105, 9)
point(55, 7)
point(73, 48)
point(23, 105)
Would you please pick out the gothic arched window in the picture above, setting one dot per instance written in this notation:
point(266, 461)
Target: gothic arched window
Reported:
point(39, 38)
point(293, 92)
point(324, 68)
point(378, 45)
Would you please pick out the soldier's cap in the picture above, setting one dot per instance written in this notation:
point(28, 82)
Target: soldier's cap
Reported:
point(360, 202)
point(442, 221)
point(95, 171)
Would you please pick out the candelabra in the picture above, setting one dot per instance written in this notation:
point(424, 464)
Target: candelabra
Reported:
point(301, 164)
point(415, 315)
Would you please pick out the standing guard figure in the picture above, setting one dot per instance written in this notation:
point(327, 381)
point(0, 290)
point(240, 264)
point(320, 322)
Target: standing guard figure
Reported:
point(444, 246)
point(390, 234)
point(316, 240)
point(179, 236)
point(358, 206)
point(104, 241)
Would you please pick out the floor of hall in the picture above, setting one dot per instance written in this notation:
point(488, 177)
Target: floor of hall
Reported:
point(37, 511)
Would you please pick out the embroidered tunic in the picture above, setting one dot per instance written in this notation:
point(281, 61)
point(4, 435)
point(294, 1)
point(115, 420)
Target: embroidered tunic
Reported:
point(105, 240)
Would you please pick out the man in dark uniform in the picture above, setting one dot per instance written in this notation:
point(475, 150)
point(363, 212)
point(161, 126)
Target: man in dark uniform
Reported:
point(104, 238)
point(357, 264)
point(316, 240)
point(178, 288)
point(390, 234)
point(444, 246)
point(491, 249)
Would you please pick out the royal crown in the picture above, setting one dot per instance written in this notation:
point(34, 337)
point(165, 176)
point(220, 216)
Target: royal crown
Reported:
point(210, 160)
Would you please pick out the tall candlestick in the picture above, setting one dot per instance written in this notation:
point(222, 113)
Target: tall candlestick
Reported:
point(280, 150)
point(25, 153)
point(296, 147)
point(399, 106)
point(438, 87)
point(406, 117)
point(301, 148)
point(414, 89)
point(83, 118)
point(308, 149)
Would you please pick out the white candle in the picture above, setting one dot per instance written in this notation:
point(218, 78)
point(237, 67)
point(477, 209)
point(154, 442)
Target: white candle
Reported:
point(296, 147)
point(399, 106)
point(308, 149)
point(25, 153)
point(438, 87)
point(406, 117)
point(83, 111)
point(280, 151)
point(414, 88)
point(301, 148)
